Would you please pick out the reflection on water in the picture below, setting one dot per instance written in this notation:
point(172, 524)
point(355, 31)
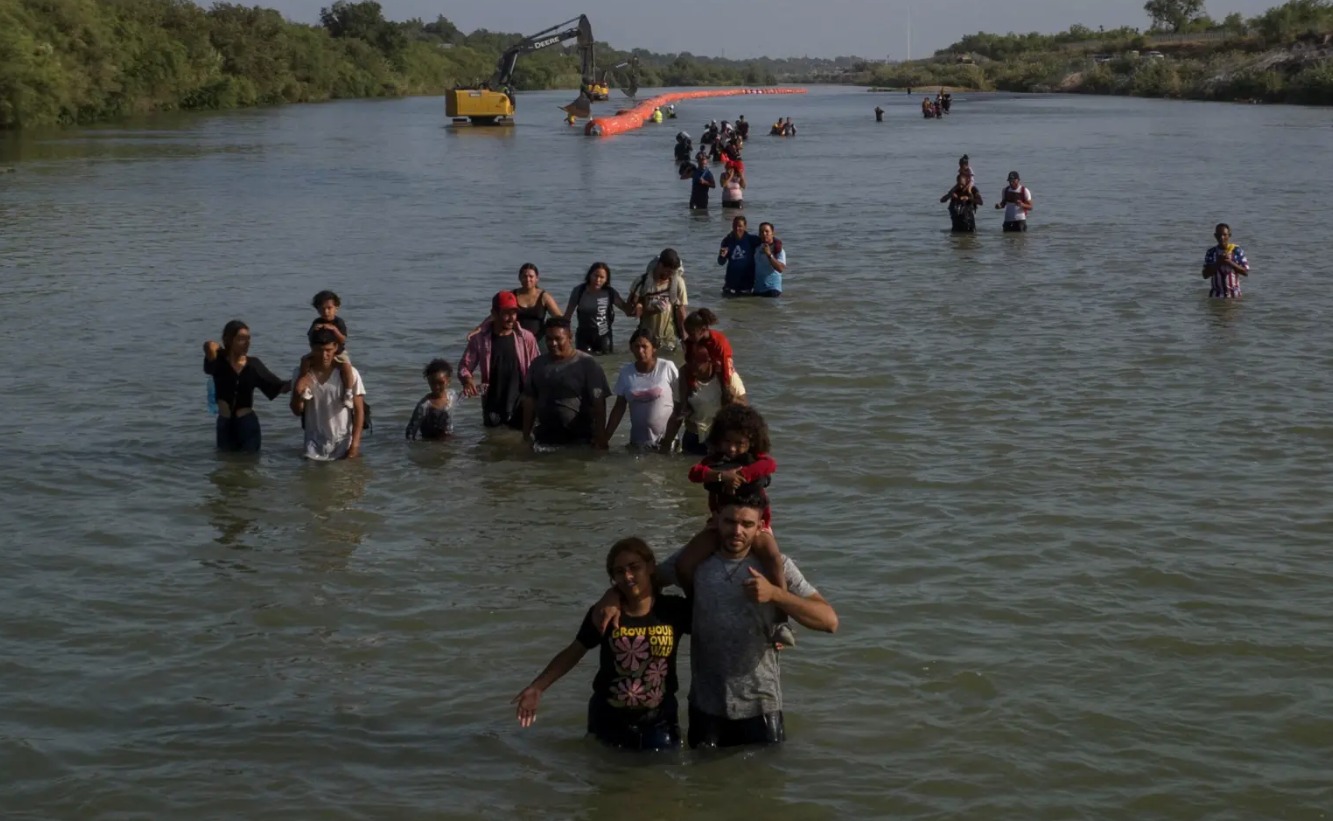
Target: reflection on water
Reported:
point(232, 509)
point(1045, 481)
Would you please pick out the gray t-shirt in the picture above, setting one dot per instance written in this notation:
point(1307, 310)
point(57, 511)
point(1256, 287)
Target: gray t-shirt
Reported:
point(595, 309)
point(564, 391)
point(733, 666)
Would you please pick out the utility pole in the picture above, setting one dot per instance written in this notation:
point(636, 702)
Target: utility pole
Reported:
point(909, 31)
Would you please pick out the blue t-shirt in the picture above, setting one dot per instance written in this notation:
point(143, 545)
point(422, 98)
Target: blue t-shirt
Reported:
point(698, 190)
point(740, 261)
point(766, 278)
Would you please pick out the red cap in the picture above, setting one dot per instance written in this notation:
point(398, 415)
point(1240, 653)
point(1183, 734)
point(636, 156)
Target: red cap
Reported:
point(504, 301)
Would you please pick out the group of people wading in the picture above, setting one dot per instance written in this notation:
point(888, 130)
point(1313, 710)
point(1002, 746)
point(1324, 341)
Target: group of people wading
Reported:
point(740, 589)
point(964, 198)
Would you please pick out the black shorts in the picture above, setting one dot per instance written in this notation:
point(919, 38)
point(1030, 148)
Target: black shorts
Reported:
point(691, 445)
point(238, 434)
point(711, 731)
point(655, 730)
point(733, 203)
point(1016, 225)
point(590, 341)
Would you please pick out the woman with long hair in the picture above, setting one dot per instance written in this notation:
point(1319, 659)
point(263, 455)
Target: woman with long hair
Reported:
point(633, 703)
point(236, 375)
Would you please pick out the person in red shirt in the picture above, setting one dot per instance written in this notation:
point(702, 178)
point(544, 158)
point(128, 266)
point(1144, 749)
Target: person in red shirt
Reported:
point(737, 466)
point(699, 332)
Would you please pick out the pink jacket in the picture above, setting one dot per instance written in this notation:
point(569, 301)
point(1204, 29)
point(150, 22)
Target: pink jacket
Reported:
point(478, 353)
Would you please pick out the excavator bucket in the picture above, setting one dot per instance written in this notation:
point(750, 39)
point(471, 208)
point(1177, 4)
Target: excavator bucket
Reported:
point(581, 107)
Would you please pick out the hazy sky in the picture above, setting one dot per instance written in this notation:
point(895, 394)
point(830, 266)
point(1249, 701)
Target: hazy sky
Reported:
point(779, 28)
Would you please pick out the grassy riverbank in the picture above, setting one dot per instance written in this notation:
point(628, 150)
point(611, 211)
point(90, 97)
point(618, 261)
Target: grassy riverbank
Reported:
point(66, 62)
point(1282, 55)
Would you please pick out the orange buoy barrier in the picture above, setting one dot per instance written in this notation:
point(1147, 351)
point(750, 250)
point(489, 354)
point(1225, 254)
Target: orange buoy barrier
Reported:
point(632, 118)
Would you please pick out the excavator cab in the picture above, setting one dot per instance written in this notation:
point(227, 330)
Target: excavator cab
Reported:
point(492, 102)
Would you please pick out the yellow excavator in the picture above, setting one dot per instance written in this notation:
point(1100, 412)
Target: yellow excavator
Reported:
point(492, 103)
point(629, 80)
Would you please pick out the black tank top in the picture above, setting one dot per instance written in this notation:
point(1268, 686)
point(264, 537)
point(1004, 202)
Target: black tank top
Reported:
point(531, 319)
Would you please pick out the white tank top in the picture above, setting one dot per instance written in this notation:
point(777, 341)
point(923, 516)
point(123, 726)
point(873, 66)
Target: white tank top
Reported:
point(731, 192)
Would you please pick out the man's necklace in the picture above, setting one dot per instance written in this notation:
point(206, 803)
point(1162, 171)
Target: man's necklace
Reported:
point(739, 563)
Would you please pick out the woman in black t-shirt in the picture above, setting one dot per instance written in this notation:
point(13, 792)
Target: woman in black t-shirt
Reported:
point(633, 704)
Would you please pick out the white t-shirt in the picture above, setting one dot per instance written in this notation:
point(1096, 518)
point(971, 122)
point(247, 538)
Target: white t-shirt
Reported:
point(651, 396)
point(1013, 212)
point(328, 415)
point(706, 401)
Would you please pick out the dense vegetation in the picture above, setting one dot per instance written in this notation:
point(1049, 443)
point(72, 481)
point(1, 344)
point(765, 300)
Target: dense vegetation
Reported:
point(1282, 55)
point(79, 61)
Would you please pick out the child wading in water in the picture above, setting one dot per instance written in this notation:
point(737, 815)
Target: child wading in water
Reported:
point(699, 331)
point(328, 303)
point(431, 419)
point(737, 465)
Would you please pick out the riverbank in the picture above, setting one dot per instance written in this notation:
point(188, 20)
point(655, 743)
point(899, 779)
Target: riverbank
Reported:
point(1282, 56)
point(1301, 73)
point(84, 61)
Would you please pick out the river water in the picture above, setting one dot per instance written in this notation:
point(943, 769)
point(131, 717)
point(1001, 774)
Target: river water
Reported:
point(1073, 515)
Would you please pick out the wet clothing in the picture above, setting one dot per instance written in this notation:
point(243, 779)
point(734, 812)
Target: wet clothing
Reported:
point(1225, 284)
point(238, 434)
point(743, 129)
point(1020, 225)
point(705, 400)
point(430, 422)
point(634, 692)
point(719, 353)
point(328, 418)
point(238, 389)
point(651, 398)
point(533, 318)
point(733, 196)
point(337, 323)
point(714, 731)
point(738, 255)
point(963, 213)
point(733, 666)
point(565, 392)
point(1013, 212)
point(499, 404)
point(595, 312)
point(756, 470)
point(477, 356)
point(699, 188)
point(691, 445)
point(767, 279)
point(663, 297)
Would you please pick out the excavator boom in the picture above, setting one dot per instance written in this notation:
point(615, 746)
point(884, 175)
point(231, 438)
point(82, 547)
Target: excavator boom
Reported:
point(493, 102)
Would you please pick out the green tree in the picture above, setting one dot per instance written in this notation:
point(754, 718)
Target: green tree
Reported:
point(1173, 14)
point(364, 21)
point(1234, 23)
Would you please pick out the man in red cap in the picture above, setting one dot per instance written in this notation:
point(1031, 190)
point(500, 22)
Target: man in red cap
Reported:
point(503, 351)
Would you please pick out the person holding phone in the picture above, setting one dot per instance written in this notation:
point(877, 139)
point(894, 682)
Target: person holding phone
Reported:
point(1016, 202)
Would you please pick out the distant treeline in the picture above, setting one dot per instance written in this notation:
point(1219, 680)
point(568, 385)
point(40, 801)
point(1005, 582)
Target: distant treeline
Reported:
point(80, 61)
point(1282, 55)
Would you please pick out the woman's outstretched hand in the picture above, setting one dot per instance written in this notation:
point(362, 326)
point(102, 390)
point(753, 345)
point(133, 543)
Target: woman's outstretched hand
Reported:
point(527, 705)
